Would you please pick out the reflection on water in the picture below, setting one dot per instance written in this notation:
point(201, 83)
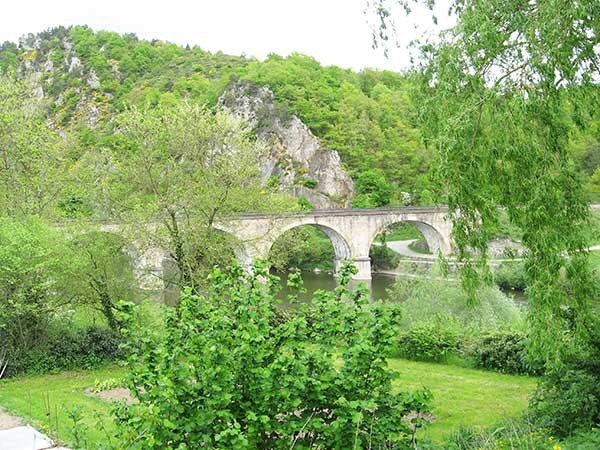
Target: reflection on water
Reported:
point(378, 286)
point(518, 297)
point(313, 281)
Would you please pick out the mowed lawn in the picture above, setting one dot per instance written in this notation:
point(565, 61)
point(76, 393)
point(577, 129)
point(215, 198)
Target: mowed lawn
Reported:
point(462, 397)
point(46, 401)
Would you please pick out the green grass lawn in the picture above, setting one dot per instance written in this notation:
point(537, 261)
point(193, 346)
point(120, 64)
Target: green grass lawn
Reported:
point(401, 232)
point(34, 397)
point(462, 397)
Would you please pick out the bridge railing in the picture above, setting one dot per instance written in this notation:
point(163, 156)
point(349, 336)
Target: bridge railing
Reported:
point(337, 212)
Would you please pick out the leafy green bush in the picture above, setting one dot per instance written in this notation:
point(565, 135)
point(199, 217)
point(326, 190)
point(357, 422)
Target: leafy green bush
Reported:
point(304, 248)
point(34, 272)
point(441, 338)
point(305, 204)
point(568, 396)
point(227, 375)
point(44, 275)
point(309, 183)
point(566, 400)
point(383, 257)
point(504, 352)
point(372, 188)
point(428, 342)
point(65, 348)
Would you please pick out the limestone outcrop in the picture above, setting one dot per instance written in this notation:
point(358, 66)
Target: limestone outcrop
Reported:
point(297, 162)
point(46, 74)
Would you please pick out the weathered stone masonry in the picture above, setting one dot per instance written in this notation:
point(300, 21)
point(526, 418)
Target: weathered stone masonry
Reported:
point(351, 231)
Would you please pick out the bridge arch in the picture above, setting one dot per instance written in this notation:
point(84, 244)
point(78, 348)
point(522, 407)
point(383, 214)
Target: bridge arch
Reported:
point(341, 247)
point(245, 252)
point(433, 236)
point(351, 231)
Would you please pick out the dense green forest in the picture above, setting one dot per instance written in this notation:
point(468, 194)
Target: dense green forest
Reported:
point(368, 117)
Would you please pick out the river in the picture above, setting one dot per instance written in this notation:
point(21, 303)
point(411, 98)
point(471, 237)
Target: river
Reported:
point(380, 283)
point(313, 281)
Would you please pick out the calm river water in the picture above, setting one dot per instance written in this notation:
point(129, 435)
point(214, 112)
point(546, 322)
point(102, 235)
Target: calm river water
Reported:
point(314, 281)
point(379, 284)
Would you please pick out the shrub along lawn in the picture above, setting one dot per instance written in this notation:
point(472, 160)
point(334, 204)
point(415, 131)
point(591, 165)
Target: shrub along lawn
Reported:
point(462, 397)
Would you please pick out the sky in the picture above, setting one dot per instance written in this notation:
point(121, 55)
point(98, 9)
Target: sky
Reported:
point(333, 31)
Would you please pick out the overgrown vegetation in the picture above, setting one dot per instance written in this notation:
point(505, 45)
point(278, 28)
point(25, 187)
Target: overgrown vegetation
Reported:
point(441, 323)
point(502, 109)
point(44, 276)
point(367, 117)
point(383, 258)
point(533, 68)
point(504, 352)
point(511, 275)
point(304, 248)
point(178, 168)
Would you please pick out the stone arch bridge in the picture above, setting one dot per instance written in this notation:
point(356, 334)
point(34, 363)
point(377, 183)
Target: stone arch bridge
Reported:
point(351, 231)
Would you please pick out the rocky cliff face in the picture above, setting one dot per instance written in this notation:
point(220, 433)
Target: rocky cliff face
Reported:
point(47, 71)
point(297, 162)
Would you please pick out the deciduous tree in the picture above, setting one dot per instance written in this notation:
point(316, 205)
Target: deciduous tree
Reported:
point(34, 158)
point(493, 98)
point(173, 171)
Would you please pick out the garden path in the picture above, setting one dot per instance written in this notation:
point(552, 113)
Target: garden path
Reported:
point(15, 435)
